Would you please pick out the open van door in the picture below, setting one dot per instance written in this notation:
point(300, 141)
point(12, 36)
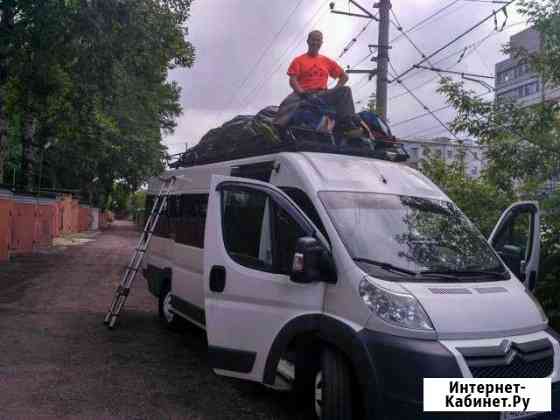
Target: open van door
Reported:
point(517, 239)
point(251, 292)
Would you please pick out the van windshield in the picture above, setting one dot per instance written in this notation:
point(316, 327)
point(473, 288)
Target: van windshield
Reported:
point(411, 238)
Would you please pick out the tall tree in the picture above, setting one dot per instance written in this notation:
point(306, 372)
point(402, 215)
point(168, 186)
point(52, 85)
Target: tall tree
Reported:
point(522, 143)
point(87, 89)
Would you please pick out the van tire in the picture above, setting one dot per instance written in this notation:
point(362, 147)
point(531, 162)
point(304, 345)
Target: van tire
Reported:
point(169, 319)
point(332, 385)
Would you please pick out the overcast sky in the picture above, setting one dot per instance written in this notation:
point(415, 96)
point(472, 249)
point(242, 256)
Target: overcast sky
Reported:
point(236, 73)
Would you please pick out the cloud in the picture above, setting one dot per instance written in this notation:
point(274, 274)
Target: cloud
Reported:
point(231, 35)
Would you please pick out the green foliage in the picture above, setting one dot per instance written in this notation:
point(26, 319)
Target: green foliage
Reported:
point(92, 75)
point(137, 201)
point(544, 15)
point(480, 200)
point(522, 147)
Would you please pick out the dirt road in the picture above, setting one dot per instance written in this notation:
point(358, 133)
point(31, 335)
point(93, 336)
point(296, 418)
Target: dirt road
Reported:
point(57, 359)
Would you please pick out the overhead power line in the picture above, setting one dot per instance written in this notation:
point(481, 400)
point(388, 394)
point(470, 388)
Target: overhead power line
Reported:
point(425, 20)
point(417, 117)
point(460, 73)
point(454, 40)
point(263, 54)
point(465, 51)
point(425, 131)
point(354, 39)
point(423, 105)
point(297, 40)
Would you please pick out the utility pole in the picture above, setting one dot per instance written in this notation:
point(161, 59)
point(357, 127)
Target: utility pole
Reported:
point(382, 57)
point(382, 47)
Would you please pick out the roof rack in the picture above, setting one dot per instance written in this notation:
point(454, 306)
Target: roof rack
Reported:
point(296, 139)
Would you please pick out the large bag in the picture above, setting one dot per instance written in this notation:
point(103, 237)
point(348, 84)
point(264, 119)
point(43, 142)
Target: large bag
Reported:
point(244, 133)
point(376, 125)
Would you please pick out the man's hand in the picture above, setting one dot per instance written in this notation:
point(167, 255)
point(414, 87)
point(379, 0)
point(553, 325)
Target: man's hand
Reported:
point(342, 80)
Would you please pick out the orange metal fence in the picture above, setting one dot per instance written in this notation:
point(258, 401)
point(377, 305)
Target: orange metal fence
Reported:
point(6, 210)
point(84, 218)
point(23, 224)
point(27, 222)
point(44, 221)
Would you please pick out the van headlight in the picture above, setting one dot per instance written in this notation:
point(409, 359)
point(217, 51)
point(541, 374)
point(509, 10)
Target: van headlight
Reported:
point(400, 309)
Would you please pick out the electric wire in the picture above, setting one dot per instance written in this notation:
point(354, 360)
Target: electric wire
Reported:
point(422, 104)
point(261, 57)
point(448, 44)
point(425, 131)
point(420, 24)
point(410, 92)
point(361, 61)
point(354, 39)
point(399, 27)
point(418, 116)
point(316, 17)
point(404, 33)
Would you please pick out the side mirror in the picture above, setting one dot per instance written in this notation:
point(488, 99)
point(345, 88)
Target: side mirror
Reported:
point(312, 262)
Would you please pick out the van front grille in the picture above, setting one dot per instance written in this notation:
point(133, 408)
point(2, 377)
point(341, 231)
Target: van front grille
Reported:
point(517, 369)
point(534, 359)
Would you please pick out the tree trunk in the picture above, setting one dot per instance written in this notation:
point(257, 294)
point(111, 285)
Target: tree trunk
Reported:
point(28, 155)
point(6, 26)
point(3, 139)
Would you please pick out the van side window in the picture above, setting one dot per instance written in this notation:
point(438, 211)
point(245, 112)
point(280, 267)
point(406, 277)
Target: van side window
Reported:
point(257, 232)
point(246, 228)
point(191, 219)
point(162, 227)
point(172, 215)
point(514, 242)
point(304, 202)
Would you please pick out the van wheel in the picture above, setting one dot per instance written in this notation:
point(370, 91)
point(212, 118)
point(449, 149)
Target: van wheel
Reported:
point(332, 395)
point(168, 317)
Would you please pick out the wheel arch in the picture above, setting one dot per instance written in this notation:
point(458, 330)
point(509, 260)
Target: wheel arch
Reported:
point(157, 278)
point(333, 332)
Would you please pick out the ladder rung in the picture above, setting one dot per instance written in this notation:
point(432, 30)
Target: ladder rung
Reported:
point(123, 291)
point(159, 206)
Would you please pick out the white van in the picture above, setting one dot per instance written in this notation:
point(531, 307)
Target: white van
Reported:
point(358, 277)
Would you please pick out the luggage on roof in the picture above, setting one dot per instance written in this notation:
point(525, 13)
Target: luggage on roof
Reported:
point(310, 130)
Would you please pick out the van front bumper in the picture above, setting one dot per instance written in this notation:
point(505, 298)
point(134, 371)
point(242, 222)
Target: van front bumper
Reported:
point(399, 366)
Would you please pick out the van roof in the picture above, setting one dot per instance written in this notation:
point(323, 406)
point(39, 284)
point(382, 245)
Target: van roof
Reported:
point(351, 173)
point(324, 171)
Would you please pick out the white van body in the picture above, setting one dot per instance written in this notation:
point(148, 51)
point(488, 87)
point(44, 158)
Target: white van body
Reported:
point(257, 318)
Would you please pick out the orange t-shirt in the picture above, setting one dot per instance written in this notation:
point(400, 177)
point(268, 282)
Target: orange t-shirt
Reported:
point(313, 73)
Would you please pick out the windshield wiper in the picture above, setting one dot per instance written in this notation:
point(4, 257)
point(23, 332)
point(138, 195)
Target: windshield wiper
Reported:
point(385, 266)
point(466, 273)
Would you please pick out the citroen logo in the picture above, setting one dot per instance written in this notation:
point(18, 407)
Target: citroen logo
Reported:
point(506, 346)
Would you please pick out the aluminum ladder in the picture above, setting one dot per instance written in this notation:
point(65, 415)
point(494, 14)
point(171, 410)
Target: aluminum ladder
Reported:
point(123, 290)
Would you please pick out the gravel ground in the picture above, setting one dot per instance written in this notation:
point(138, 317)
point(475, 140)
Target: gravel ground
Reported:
point(58, 360)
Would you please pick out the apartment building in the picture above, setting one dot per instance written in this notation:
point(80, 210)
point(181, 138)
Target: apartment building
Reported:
point(514, 78)
point(448, 150)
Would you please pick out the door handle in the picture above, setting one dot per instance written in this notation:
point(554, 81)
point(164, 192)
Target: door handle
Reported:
point(217, 279)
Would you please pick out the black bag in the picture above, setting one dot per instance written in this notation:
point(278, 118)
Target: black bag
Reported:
point(243, 135)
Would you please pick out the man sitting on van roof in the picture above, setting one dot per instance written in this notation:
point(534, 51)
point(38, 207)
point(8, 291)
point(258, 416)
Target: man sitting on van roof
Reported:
point(309, 74)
